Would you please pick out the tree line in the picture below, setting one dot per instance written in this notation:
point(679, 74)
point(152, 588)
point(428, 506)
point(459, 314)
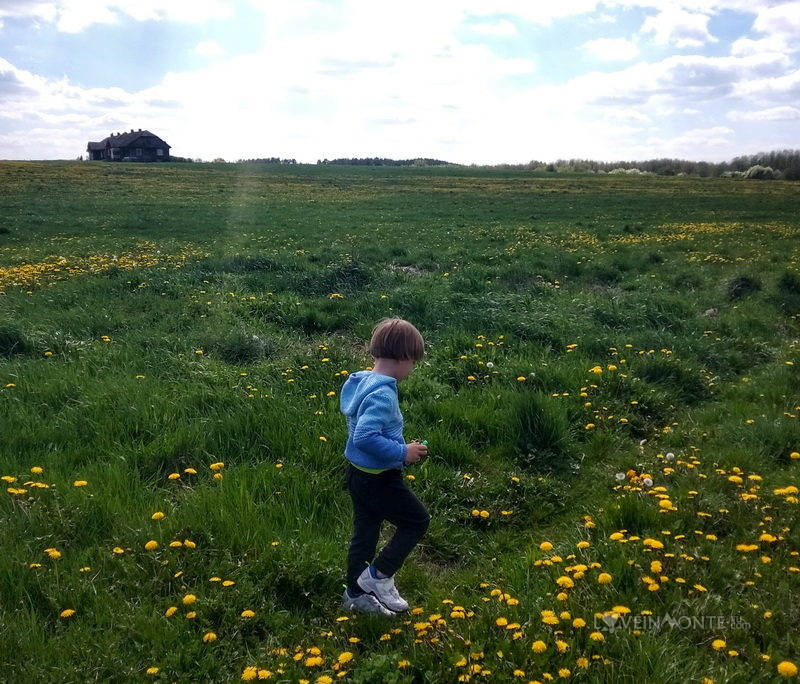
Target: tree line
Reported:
point(776, 164)
point(382, 161)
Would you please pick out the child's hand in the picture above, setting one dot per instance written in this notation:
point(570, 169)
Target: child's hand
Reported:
point(415, 452)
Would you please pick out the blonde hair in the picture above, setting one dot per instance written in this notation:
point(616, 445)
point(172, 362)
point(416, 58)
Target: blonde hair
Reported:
point(396, 338)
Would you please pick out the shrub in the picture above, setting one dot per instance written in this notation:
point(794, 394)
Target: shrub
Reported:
point(741, 286)
point(241, 348)
point(542, 434)
point(759, 172)
point(789, 283)
point(787, 293)
point(684, 383)
point(13, 341)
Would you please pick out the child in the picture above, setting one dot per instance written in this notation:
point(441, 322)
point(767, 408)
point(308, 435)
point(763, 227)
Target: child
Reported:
point(376, 452)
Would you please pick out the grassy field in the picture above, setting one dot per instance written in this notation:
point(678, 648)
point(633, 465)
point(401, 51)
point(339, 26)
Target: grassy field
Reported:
point(610, 395)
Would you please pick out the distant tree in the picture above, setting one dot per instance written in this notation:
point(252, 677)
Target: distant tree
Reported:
point(759, 172)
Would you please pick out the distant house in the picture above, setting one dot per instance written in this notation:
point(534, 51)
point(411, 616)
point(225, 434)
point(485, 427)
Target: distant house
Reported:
point(134, 146)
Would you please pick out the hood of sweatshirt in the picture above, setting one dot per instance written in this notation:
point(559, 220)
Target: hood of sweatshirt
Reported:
point(358, 386)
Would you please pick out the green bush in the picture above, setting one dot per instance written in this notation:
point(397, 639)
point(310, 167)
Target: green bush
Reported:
point(541, 431)
point(241, 348)
point(13, 341)
point(742, 286)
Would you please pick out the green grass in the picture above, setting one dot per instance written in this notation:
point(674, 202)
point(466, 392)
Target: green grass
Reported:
point(159, 318)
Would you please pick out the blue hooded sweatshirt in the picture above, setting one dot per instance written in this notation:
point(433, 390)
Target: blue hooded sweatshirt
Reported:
point(374, 422)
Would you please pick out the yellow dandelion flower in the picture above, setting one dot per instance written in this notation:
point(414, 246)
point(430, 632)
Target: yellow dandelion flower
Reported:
point(169, 612)
point(718, 644)
point(80, 483)
point(787, 668)
point(597, 636)
point(247, 614)
point(538, 646)
point(152, 545)
point(37, 470)
point(189, 599)
point(67, 613)
point(152, 671)
point(604, 578)
point(209, 637)
point(158, 515)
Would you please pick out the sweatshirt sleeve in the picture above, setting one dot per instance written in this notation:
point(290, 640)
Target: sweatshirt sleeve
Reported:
point(374, 414)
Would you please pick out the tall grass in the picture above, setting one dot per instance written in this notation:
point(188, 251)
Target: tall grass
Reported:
point(596, 347)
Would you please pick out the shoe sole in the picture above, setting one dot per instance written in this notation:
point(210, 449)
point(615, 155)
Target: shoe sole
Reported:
point(378, 599)
point(352, 608)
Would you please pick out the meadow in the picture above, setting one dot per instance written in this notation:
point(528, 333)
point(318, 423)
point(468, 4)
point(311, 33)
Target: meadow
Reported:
point(610, 395)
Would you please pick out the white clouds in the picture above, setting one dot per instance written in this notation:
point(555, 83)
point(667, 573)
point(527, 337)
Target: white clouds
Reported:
point(675, 26)
point(501, 28)
point(782, 19)
point(712, 144)
point(209, 48)
point(626, 116)
point(678, 79)
point(612, 49)
point(770, 90)
point(452, 79)
point(772, 114)
point(747, 46)
point(779, 29)
point(72, 16)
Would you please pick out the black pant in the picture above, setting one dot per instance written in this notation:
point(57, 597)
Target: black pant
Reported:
point(376, 498)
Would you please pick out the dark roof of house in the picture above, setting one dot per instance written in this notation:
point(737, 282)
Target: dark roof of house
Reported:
point(124, 139)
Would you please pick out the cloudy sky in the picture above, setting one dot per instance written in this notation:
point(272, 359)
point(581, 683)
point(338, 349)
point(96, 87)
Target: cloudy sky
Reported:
point(468, 81)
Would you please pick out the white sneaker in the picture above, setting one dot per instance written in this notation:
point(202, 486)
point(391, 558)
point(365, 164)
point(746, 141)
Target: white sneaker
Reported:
point(382, 589)
point(364, 603)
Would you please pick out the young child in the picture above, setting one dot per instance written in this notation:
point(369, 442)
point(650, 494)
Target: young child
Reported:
point(377, 452)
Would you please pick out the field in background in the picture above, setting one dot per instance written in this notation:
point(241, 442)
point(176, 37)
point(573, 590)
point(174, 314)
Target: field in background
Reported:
point(610, 396)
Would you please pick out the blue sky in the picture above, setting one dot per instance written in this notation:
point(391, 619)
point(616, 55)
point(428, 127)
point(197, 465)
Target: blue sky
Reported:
point(466, 81)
